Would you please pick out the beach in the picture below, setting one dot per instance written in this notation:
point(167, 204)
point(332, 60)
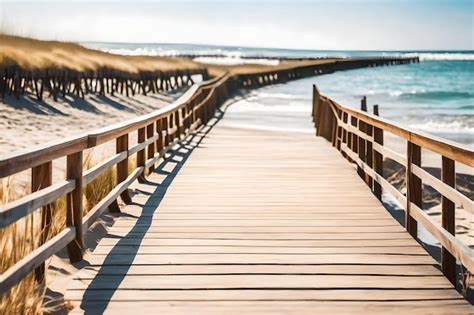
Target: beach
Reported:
point(281, 107)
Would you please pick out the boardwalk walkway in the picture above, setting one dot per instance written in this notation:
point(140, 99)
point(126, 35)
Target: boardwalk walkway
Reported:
point(240, 221)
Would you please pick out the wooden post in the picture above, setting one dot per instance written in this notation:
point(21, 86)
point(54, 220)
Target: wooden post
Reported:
point(177, 122)
point(355, 141)
point(42, 177)
point(377, 156)
point(316, 102)
point(165, 128)
point(141, 158)
point(414, 187)
point(74, 210)
point(159, 131)
point(122, 166)
point(151, 147)
point(369, 129)
point(448, 261)
point(361, 147)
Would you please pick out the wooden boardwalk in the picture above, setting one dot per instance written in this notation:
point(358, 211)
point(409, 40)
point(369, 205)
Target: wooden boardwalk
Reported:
point(242, 221)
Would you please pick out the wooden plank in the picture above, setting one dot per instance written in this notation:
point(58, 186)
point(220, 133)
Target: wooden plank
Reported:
point(161, 259)
point(262, 282)
point(36, 258)
point(282, 307)
point(361, 295)
point(100, 207)
point(96, 170)
point(14, 211)
point(444, 189)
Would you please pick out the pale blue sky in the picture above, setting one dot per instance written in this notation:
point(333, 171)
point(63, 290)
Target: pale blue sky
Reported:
point(318, 24)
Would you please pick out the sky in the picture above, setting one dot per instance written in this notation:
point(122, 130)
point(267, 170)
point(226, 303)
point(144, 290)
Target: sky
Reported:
point(317, 24)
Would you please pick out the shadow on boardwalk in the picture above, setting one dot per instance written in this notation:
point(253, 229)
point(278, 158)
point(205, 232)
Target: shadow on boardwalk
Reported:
point(183, 150)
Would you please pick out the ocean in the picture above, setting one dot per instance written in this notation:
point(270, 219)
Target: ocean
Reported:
point(435, 96)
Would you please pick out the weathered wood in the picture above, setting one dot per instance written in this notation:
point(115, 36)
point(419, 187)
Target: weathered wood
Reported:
point(98, 169)
point(447, 240)
point(150, 130)
point(444, 189)
point(377, 155)
point(452, 150)
point(141, 154)
point(14, 211)
point(74, 209)
point(255, 237)
point(122, 166)
point(414, 188)
point(448, 261)
point(42, 177)
point(36, 258)
point(362, 143)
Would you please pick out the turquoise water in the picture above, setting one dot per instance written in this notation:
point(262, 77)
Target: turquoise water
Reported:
point(435, 95)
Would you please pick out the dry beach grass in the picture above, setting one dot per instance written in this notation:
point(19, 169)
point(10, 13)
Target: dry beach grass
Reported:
point(19, 239)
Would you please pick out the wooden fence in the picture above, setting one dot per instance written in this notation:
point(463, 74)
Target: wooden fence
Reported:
point(360, 138)
point(56, 82)
point(157, 132)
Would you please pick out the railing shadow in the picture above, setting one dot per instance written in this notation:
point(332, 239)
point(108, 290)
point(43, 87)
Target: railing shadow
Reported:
point(143, 223)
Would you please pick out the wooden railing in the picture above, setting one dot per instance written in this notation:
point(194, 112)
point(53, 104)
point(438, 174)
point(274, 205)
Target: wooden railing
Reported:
point(157, 132)
point(360, 138)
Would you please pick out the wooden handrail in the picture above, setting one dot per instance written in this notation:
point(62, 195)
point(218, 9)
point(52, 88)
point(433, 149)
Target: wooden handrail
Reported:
point(450, 149)
point(158, 132)
point(342, 126)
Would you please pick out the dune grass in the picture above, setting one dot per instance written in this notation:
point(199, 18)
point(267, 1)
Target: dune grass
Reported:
point(32, 54)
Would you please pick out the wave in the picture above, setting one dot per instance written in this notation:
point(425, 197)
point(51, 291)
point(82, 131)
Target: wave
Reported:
point(236, 61)
point(432, 95)
point(256, 104)
point(441, 56)
point(445, 124)
point(284, 96)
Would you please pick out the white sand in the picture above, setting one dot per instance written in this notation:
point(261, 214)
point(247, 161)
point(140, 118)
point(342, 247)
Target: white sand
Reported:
point(25, 123)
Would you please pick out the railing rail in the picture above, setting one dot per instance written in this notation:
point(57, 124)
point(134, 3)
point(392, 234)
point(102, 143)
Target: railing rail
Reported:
point(359, 136)
point(157, 132)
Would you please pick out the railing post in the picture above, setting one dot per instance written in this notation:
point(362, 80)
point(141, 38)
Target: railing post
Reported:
point(177, 123)
point(122, 169)
point(166, 127)
point(355, 141)
point(159, 131)
point(377, 156)
point(141, 158)
point(150, 130)
point(74, 205)
point(322, 118)
point(414, 186)
point(42, 177)
point(448, 261)
point(361, 147)
point(316, 102)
